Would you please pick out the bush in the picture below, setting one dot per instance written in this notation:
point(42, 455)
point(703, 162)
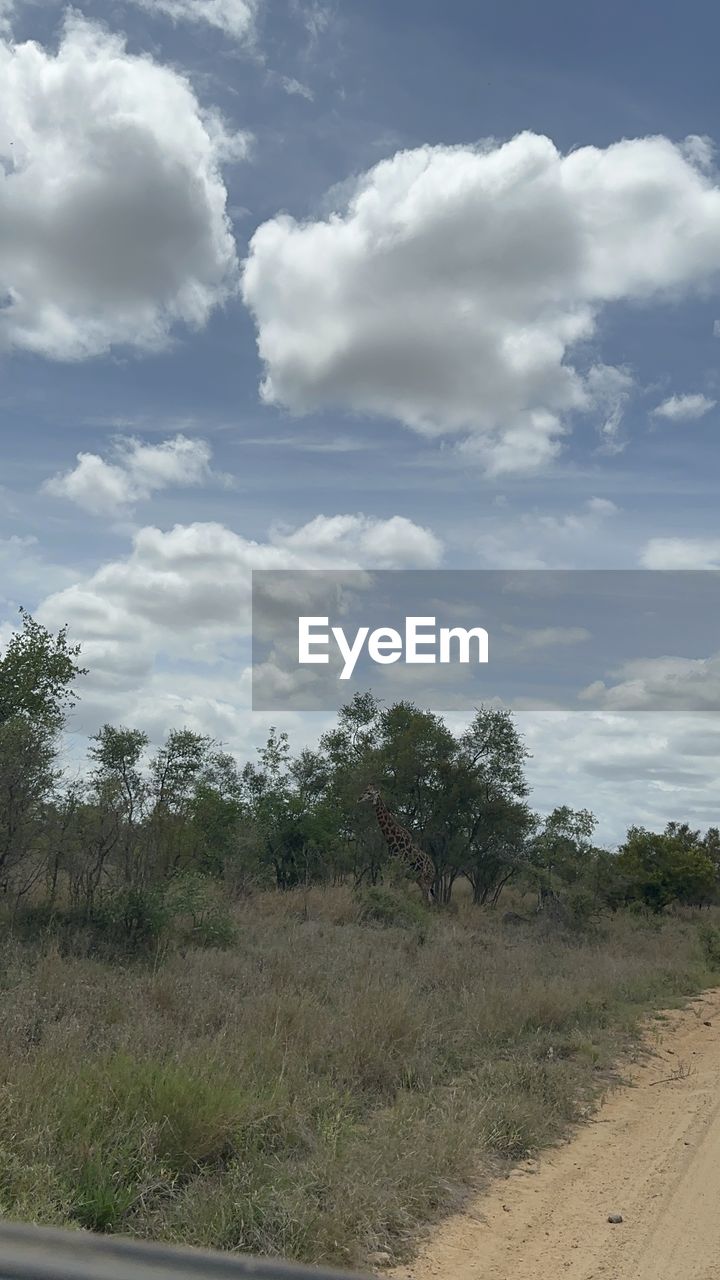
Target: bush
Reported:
point(195, 905)
point(710, 940)
point(127, 921)
point(582, 906)
point(134, 919)
point(381, 906)
point(190, 909)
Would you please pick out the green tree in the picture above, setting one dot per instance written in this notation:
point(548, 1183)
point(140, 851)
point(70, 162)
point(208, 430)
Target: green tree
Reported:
point(175, 773)
point(462, 797)
point(495, 820)
point(349, 751)
point(27, 781)
point(658, 869)
point(562, 851)
point(37, 671)
point(218, 820)
point(120, 787)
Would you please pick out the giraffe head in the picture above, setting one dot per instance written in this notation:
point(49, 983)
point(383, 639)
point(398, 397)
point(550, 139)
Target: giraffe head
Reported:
point(370, 794)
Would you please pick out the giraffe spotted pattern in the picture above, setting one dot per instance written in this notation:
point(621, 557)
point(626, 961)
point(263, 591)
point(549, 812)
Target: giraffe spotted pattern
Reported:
point(401, 844)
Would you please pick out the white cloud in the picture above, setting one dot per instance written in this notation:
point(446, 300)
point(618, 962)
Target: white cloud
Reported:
point(296, 89)
point(575, 523)
point(667, 683)
point(453, 284)
point(363, 542)
point(645, 768)
point(112, 210)
point(186, 591)
point(684, 408)
point(534, 540)
point(235, 18)
point(94, 485)
point(315, 17)
point(601, 507)
point(25, 574)
point(104, 488)
point(609, 389)
point(531, 442)
point(681, 553)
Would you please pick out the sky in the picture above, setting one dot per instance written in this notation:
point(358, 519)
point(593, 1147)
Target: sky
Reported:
point(317, 284)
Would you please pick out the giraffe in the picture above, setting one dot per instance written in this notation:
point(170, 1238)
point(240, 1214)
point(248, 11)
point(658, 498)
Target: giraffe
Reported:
point(401, 844)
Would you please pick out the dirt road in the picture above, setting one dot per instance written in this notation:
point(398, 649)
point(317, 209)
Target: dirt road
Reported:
point(651, 1154)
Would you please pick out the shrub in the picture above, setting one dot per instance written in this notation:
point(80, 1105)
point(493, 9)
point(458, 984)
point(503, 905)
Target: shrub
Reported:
point(381, 906)
point(133, 919)
point(710, 940)
point(195, 905)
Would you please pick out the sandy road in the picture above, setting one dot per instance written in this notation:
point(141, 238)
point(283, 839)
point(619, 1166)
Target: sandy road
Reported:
point(651, 1153)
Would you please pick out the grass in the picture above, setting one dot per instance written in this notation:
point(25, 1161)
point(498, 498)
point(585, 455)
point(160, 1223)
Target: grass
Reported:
point(340, 1075)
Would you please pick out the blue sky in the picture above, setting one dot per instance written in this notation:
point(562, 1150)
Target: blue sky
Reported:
point(143, 146)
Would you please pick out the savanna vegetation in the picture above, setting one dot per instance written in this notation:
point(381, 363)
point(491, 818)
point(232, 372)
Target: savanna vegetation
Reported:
point(228, 1019)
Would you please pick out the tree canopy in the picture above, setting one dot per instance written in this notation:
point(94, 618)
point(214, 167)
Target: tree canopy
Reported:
point(37, 672)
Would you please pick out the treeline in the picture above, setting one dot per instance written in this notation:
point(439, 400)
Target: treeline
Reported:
point(142, 826)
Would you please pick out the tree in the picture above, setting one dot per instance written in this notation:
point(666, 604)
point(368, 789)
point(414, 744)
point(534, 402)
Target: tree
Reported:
point(495, 819)
point(562, 851)
point(267, 788)
point(658, 869)
point(711, 847)
point(27, 781)
point(350, 753)
point(36, 674)
point(462, 798)
point(414, 760)
point(119, 786)
point(175, 773)
point(218, 818)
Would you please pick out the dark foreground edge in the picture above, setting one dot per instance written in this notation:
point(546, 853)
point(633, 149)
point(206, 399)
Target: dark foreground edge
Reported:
point(37, 1253)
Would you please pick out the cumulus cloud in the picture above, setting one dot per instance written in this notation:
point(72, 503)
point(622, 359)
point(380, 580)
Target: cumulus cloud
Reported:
point(235, 18)
point(646, 684)
point(113, 225)
point(628, 768)
point(684, 408)
point(681, 553)
point(452, 285)
point(363, 542)
point(186, 591)
point(530, 442)
point(139, 469)
point(24, 571)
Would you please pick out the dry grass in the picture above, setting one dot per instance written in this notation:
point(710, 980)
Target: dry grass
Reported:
point(325, 1086)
